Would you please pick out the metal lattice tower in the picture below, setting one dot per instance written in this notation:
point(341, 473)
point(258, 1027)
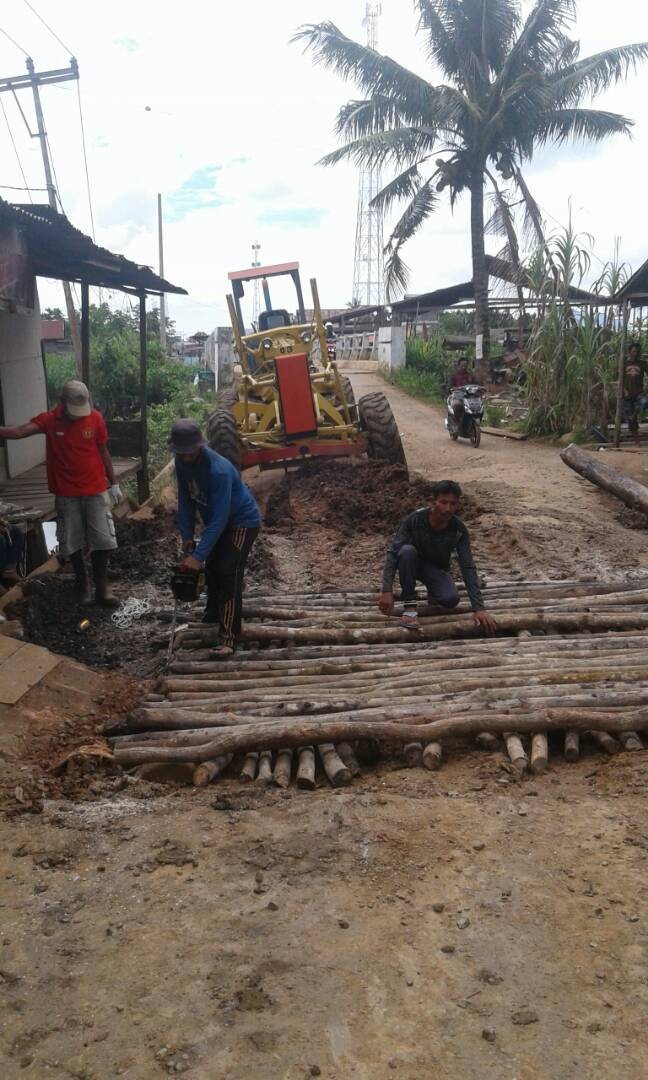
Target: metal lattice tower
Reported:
point(369, 266)
point(256, 292)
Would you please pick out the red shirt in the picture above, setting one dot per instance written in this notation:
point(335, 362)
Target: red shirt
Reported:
point(74, 465)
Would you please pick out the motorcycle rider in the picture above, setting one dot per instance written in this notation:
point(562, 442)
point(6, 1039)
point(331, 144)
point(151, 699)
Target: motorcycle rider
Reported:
point(462, 376)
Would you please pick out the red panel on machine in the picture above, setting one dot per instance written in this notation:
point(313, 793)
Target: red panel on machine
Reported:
point(296, 395)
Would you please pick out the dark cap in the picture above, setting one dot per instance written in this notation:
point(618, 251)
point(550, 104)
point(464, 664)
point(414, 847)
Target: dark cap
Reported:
point(185, 437)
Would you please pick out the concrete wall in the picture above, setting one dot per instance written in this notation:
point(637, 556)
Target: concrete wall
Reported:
point(22, 385)
point(391, 347)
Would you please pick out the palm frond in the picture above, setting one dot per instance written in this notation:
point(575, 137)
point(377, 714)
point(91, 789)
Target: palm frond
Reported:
point(533, 223)
point(505, 220)
point(591, 124)
point(419, 208)
point(541, 39)
point(596, 73)
point(396, 276)
point(401, 146)
point(371, 71)
point(403, 186)
point(468, 37)
point(448, 111)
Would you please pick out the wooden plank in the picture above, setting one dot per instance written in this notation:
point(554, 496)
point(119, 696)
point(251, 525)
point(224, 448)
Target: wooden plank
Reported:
point(502, 433)
point(24, 669)
point(8, 646)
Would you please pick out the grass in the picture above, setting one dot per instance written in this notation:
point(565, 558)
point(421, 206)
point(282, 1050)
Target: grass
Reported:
point(419, 384)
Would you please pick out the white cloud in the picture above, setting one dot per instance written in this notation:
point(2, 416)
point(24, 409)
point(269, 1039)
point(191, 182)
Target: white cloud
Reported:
point(170, 92)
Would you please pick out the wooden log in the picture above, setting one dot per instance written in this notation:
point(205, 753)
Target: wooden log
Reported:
point(346, 754)
point(413, 754)
point(631, 492)
point(450, 628)
point(296, 733)
point(539, 753)
point(605, 741)
point(250, 767)
point(283, 768)
point(205, 773)
point(630, 740)
point(264, 775)
point(306, 769)
point(572, 746)
point(516, 752)
point(335, 769)
point(432, 756)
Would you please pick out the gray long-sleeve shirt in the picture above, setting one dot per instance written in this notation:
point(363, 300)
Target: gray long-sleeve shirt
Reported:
point(435, 548)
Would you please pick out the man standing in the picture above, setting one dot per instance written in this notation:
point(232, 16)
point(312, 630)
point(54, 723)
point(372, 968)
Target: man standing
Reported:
point(633, 387)
point(81, 476)
point(211, 486)
point(421, 551)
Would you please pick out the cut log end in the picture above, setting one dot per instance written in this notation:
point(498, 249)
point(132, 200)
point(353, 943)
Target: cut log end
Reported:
point(432, 756)
point(306, 769)
point(336, 771)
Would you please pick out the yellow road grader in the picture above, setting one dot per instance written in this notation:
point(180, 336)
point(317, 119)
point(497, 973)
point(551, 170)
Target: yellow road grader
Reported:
point(291, 403)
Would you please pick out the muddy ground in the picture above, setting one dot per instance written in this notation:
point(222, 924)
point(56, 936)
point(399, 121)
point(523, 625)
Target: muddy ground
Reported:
point(462, 924)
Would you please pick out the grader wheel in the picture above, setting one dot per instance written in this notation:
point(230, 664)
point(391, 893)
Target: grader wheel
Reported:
point(223, 436)
point(377, 419)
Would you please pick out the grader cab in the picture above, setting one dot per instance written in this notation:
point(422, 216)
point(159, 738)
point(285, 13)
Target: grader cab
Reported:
point(291, 403)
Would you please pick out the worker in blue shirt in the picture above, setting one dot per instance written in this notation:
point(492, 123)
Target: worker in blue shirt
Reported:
point(211, 486)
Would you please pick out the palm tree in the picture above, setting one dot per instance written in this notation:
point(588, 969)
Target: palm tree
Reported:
point(512, 85)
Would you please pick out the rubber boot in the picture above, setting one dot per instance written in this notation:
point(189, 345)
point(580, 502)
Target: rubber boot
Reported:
point(81, 582)
point(100, 575)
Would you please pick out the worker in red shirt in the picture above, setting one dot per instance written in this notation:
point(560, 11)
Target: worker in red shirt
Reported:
point(80, 474)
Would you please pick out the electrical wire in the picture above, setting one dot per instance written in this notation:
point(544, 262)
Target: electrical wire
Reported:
point(13, 143)
point(48, 27)
point(85, 159)
point(2, 31)
point(11, 187)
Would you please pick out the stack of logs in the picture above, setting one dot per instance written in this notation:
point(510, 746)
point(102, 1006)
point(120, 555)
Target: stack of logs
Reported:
point(326, 676)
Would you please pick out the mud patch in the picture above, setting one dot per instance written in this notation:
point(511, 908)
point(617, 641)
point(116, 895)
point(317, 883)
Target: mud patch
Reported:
point(141, 569)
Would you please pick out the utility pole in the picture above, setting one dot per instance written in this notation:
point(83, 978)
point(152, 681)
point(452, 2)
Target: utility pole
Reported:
point(163, 340)
point(36, 79)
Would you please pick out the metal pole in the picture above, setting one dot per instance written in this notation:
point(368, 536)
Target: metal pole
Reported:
point(85, 333)
point(51, 195)
point(143, 489)
point(622, 353)
point(163, 341)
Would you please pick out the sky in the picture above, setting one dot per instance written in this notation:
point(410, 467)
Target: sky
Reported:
point(208, 104)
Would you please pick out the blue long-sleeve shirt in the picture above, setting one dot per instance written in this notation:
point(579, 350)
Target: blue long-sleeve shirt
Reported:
point(212, 487)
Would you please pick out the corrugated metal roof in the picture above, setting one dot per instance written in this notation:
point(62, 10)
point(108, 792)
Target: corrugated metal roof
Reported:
point(58, 250)
point(636, 287)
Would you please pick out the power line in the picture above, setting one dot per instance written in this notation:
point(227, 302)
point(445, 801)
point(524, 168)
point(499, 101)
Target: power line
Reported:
point(85, 160)
point(11, 187)
point(13, 143)
point(48, 27)
point(2, 31)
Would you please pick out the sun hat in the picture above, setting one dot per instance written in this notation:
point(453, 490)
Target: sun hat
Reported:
point(185, 437)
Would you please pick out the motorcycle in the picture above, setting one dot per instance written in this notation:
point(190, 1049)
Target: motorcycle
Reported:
point(465, 413)
point(331, 350)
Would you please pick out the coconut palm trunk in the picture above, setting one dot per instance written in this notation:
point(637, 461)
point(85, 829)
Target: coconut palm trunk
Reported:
point(480, 274)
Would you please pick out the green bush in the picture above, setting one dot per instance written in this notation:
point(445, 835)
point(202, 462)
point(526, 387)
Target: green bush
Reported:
point(493, 415)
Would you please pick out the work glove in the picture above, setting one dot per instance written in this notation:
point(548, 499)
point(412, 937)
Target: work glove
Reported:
point(115, 493)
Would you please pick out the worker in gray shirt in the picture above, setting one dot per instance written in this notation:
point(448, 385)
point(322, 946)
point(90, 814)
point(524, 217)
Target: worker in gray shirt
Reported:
point(421, 551)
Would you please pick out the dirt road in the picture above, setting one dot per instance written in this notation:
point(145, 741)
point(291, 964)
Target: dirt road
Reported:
point(535, 511)
point(458, 925)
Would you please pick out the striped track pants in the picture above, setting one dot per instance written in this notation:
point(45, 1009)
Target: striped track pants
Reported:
point(224, 571)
